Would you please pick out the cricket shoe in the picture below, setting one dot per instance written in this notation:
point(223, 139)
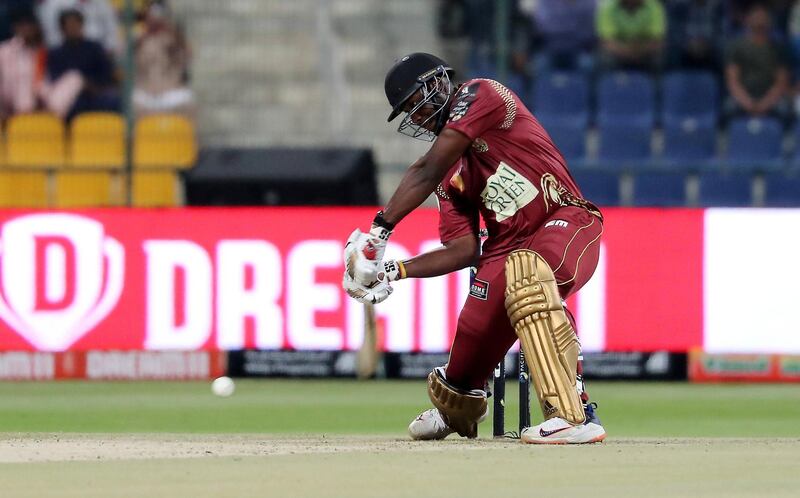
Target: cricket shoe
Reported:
point(559, 431)
point(429, 425)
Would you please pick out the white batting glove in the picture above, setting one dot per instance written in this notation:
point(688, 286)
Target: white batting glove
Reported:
point(375, 294)
point(363, 253)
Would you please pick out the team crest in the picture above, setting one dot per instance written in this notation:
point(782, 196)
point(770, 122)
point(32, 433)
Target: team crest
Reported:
point(480, 145)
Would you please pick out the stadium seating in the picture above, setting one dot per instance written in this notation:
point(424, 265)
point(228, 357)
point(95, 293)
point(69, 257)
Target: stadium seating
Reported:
point(599, 187)
point(626, 97)
point(623, 144)
point(755, 143)
point(659, 188)
point(156, 188)
point(570, 138)
point(97, 140)
point(561, 96)
point(782, 189)
point(690, 95)
point(689, 141)
point(164, 141)
point(728, 189)
point(96, 156)
point(23, 189)
point(35, 141)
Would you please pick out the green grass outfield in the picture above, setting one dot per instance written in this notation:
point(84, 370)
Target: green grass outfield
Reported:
point(378, 407)
point(347, 438)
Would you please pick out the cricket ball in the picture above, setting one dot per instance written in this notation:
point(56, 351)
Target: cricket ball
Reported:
point(223, 386)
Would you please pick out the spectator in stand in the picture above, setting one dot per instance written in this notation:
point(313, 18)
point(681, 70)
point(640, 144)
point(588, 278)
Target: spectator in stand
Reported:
point(757, 70)
point(162, 64)
point(566, 34)
point(631, 34)
point(87, 58)
point(695, 30)
point(100, 22)
point(23, 83)
point(8, 11)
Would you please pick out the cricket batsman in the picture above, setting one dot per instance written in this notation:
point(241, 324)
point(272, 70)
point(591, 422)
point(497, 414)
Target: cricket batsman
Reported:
point(490, 159)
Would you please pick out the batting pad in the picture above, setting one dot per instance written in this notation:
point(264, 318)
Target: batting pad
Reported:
point(548, 340)
point(462, 410)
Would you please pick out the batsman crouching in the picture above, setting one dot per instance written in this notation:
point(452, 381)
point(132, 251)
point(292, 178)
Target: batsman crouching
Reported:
point(490, 160)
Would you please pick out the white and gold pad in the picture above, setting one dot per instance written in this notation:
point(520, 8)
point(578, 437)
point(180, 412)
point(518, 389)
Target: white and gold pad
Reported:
point(551, 347)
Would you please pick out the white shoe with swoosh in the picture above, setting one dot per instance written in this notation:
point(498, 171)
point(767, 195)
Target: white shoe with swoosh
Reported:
point(559, 431)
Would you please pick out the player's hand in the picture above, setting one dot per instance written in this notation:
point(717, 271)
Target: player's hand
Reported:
point(375, 294)
point(391, 270)
point(363, 253)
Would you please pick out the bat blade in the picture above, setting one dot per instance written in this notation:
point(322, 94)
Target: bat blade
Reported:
point(367, 358)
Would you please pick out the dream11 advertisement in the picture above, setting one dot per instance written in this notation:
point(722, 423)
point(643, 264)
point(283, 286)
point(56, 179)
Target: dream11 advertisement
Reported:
point(208, 279)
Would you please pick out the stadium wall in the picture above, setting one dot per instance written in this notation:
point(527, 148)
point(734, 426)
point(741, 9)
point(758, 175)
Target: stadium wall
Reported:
point(209, 279)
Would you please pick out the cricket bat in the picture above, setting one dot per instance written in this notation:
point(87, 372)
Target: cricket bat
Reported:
point(367, 358)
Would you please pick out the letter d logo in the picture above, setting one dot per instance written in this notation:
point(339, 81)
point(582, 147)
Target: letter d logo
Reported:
point(61, 275)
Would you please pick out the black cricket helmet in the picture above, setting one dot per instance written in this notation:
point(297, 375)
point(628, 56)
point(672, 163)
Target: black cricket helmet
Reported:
point(431, 75)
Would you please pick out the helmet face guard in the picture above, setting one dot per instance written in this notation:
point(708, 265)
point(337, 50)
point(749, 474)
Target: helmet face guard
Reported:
point(437, 90)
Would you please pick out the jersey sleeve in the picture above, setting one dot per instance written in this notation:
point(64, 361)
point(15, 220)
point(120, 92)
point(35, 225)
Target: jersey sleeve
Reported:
point(481, 105)
point(455, 221)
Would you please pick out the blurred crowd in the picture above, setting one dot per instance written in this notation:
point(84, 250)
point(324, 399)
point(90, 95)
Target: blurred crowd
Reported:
point(67, 57)
point(752, 47)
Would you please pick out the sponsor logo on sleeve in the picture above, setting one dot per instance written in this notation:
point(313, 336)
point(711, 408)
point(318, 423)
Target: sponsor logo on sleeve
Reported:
point(464, 99)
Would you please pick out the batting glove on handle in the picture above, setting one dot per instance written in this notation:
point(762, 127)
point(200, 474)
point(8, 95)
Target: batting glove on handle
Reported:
point(363, 253)
point(375, 294)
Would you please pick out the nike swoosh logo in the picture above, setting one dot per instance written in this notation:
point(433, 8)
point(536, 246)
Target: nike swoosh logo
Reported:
point(545, 433)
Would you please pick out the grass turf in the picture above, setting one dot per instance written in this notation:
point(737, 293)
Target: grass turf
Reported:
point(379, 407)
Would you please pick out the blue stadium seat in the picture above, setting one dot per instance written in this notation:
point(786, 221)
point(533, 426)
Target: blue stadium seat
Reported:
point(561, 95)
point(690, 94)
point(599, 187)
point(689, 141)
point(623, 142)
point(796, 149)
point(569, 137)
point(626, 97)
point(659, 188)
point(483, 67)
point(755, 143)
point(727, 189)
point(783, 190)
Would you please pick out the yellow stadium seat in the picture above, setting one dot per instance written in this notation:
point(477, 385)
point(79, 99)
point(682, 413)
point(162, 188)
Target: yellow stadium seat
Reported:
point(164, 140)
point(35, 140)
point(156, 188)
point(138, 5)
point(97, 140)
point(23, 189)
point(88, 189)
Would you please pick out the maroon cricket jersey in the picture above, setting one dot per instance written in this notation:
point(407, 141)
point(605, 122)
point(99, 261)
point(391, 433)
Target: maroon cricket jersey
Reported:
point(512, 175)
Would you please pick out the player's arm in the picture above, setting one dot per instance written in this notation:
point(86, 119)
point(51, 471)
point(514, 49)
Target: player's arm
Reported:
point(425, 174)
point(452, 256)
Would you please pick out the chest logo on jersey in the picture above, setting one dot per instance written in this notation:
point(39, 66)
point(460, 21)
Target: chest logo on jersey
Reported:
point(479, 289)
point(507, 192)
